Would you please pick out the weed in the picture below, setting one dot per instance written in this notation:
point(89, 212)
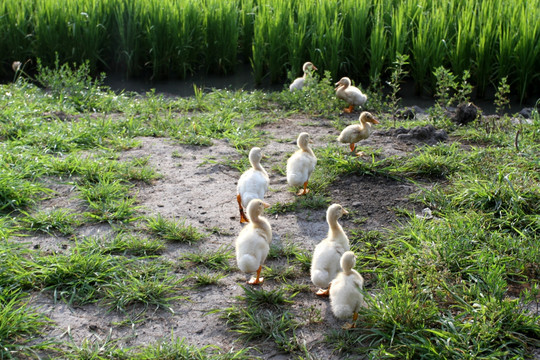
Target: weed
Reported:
point(51, 221)
point(173, 231)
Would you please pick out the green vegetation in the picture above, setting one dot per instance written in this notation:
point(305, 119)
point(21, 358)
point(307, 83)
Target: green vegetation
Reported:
point(362, 39)
point(464, 281)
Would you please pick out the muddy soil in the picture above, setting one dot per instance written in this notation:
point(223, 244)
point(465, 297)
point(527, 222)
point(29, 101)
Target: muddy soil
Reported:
point(198, 188)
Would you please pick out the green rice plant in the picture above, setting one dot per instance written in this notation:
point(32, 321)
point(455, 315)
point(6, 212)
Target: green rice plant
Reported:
point(527, 50)
point(378, 44)
point(128, 26)
point(20, 326)
point(172, 230)
point(356, 27)
point(298, 39)
point(51, 221)
point(222, 31)
point(213, 260)
point(463, 40)
point(484, 51)
point(428, 46)
point(326, 50)
point(399, 34)
point(269, 52)
point(506, 41)
point(141, 289)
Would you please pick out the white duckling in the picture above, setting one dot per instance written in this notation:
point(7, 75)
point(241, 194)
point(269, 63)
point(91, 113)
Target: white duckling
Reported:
point(253, 242)
point(301, 164)
point(351, 94)
point(325, 263)
point(356, 132)
point(253, 183)
point(298, 83)
point(346, 293)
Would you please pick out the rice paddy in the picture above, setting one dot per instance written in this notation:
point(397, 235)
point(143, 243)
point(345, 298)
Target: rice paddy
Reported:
point(87, 222)
point(357, 38)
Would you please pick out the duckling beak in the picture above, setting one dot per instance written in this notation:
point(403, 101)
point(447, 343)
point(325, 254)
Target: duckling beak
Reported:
point(314, 68)
point(345, 212)
point(375, 121)
point(266, 205)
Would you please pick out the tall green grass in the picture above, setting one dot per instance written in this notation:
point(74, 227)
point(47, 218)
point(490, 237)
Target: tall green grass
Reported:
point(357, 38)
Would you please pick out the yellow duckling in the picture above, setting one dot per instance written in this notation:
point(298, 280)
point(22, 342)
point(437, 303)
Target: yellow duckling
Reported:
point(356, 132)
point(301, 164)
point(351, 94)
point(325, 263)
point(253, 243)
point(298, 83)
point(253, 183)
point(345, 295)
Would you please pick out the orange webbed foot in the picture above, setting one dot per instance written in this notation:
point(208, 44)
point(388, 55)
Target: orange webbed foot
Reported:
point(323, 292)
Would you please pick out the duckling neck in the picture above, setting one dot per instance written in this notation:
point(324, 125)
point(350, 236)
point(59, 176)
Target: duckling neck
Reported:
point(307, 149)
point(257, 166)
point(335, 231)
point(261, 223)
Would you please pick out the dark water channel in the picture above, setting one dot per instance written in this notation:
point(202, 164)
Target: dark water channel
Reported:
point(243, 79)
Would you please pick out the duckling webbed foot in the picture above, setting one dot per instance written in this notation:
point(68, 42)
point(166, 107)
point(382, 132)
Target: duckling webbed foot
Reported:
point(303, 191)
point(258, 279)
point(323, 292)
point(349, 109)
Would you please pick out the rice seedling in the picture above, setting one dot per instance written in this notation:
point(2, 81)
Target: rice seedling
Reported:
point(62, 221)
point(172, 230)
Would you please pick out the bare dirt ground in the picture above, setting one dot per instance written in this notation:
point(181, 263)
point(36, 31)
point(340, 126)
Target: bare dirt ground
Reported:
point(198, 188)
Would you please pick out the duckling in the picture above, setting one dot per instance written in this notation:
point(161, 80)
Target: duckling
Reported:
point(345, 295)
point(356, 132)
point(253, 183)
point(253, 242)
point(325, 263)
point(298, 83)
point(301, 164)
point(351, 94)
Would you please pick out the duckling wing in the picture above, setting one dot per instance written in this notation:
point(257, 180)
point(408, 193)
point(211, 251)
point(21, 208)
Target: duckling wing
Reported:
point(253, 184)
point(297, 84)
